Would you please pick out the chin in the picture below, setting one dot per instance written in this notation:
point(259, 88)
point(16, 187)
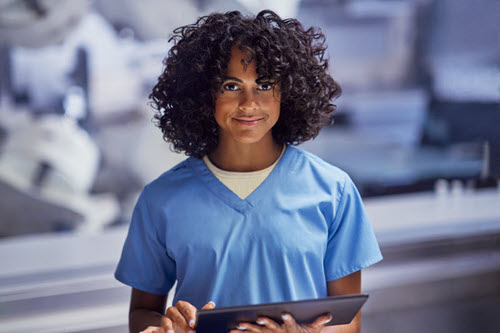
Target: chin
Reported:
point(249, 139)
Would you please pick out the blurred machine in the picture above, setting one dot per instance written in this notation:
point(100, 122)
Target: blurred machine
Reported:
point(374, 49)
point(75, 81)
point(47, 167)
point(48, 161)
point(417, 105)
point(37, 23)
point(152, 19)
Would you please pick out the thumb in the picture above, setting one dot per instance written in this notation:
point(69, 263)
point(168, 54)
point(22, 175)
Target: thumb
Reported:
point(210, 305)
point(321, 321)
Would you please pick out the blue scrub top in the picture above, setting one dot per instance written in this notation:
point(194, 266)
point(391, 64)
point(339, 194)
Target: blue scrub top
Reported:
point(303, 226)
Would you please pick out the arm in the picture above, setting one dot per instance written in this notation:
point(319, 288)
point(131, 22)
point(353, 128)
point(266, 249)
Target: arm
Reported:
point(145, 310)
point(350, 284)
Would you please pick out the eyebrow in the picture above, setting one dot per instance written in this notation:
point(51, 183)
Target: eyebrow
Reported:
point(239, 80)
point(232, 78)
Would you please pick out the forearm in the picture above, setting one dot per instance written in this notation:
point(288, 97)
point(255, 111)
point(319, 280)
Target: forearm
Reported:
point(341, 329)
point(140, 319)
point(351, 328)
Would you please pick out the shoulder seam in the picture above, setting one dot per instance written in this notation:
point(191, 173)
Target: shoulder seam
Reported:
point(343, 188)
point(153, 224)
point(341, 197)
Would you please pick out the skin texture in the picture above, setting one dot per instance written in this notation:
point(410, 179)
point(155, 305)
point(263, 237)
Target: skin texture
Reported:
point(181, 317)
point(242, 96)
point(146, 309)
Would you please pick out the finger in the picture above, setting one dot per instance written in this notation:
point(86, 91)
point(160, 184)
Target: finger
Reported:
point(153, 329)
point(268, 323)
point(167, 325)
point(177, 318)
point(188, 311)
point(210, 305)
point(289, 322)
point(320, 322)
point(249, 327)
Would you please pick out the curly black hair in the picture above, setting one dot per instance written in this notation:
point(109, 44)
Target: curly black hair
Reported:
point(194, 70)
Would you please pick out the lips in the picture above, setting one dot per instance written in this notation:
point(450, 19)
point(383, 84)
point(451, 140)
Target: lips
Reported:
point(247, 121)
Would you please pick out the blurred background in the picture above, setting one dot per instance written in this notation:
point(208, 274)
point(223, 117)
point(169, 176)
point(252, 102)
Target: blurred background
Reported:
point(417, 128)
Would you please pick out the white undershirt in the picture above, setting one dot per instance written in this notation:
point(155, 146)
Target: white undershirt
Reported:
point(241, 183)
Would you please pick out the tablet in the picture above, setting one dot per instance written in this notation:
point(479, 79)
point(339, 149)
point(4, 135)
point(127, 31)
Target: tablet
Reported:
point(342, 308)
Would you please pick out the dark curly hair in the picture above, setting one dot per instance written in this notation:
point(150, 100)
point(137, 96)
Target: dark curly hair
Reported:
point(286, 53)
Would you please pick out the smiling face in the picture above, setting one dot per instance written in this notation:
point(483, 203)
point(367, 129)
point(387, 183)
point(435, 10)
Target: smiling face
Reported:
point(246, 110)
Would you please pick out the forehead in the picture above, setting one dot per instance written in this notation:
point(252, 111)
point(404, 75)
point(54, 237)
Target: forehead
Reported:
point(241, 62)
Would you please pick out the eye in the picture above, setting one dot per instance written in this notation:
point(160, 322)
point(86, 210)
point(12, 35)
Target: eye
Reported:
point(265, 86)
point(230, 87)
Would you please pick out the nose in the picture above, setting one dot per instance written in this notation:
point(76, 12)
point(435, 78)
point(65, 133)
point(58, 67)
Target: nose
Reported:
point(248, 101)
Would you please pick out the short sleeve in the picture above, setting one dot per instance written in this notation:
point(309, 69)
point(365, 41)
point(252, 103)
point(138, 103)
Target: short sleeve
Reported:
point(144, 263)
point(351, 241)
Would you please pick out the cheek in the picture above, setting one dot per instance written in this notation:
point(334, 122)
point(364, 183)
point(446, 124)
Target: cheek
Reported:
point(223, 108)
point(270, 100)
point(225, 101)
point(273, 108)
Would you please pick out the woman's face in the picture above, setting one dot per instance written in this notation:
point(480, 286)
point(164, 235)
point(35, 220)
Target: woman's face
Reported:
point(245, 110)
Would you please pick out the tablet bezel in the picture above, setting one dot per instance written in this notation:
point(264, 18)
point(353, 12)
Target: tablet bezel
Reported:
point(342, 308)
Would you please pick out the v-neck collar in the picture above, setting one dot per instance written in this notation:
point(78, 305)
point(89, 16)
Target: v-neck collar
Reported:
point(227, 195)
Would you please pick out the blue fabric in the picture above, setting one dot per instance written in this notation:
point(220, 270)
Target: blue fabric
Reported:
point(303, 226)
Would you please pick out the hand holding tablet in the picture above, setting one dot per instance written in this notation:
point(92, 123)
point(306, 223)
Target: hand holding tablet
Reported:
point(289, 325)
point(341, 308)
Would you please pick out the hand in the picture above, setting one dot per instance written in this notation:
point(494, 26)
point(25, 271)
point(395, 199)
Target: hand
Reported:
point(180, 318)
point(267, 325)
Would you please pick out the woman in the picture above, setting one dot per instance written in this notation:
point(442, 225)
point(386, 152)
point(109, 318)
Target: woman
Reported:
point(248, 218)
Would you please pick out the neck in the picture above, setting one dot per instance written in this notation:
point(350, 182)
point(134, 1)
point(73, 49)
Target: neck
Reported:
point(245, 157)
